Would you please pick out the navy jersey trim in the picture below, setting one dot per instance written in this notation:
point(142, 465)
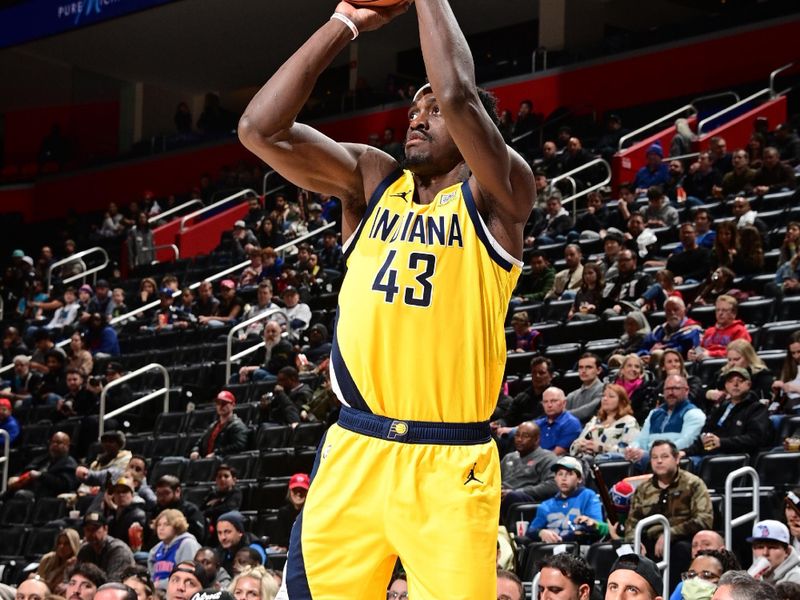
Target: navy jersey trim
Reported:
point(480, 229)
point(296, 576)
point(347, 386)
point(373, 202)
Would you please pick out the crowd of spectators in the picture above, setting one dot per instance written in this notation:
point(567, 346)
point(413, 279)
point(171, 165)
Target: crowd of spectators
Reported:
point(669, 393)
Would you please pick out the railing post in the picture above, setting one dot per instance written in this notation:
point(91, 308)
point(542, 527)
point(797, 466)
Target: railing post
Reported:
point(172, 247)
point(682, 110)
point(174, 210)
point(267, 175)
point(6, 458)
point(727, 514)
point(127, 377)
point(772, 77)
point(663, 564)
point(229, 344)
point(78, 256)
point(701, 125)
point(596, 186)
point(205, 209)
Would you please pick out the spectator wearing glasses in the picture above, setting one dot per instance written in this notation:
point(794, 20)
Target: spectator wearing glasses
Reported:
point(702, 578)
point(561, 577)
point(398, 588)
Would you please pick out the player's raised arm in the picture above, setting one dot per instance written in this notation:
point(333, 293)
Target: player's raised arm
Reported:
point(503, 177)
point(303, 155)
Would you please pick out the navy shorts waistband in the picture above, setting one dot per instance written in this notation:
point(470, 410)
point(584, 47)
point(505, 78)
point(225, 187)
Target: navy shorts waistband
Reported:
point(414, 432)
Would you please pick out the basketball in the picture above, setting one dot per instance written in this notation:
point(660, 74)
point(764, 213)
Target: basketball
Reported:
point(374, 3)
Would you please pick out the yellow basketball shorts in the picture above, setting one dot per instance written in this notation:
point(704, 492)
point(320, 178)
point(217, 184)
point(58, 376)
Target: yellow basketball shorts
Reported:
point(375, 497)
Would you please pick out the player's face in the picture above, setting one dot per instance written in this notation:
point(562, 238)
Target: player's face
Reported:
point(429, 146)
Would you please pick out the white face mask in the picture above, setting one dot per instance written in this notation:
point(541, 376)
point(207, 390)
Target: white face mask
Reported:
point(697, 589)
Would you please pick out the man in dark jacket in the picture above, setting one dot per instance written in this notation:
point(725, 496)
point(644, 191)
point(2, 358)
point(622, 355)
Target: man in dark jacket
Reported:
point(740, 424)
point(227, 435)
point(50, 474)
point(289, 385)
point(127, 512)
point(107, 552)
point(232, 538)
point(168, 495)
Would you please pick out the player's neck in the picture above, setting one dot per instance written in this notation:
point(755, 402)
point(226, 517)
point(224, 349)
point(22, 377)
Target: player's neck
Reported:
point(428, 186)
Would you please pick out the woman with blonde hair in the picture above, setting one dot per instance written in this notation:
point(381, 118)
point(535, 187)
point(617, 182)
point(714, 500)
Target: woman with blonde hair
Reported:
point(631, 377)
point(611, 430)
point(740, 353)
point(254, 584)
point(176, 545)
point(54, 564)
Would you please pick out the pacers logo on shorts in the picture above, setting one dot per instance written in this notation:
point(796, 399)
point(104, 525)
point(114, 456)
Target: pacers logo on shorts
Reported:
point(397, 430)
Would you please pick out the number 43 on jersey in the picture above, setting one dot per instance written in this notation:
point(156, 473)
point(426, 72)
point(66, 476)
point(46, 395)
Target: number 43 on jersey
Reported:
point(386, 279)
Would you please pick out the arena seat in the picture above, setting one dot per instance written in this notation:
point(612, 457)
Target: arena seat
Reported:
point(556, 310)
point(614, 471)
point(13, 540)
point(705, 315)
point(40, 541)
point(601, 557)
point(269, 494)
point(169, 465)
point(16, 511)
point(757, 312)
point(242, 462)
point(307, 435)
point(776, 335)
point(519, 511)
point(273, 463)
point(564, 356)
point(196, 493)
point(789, 307)
point(580, 331)
point(303, 461)
point(270, 436)
point(48, 509)
point(201, 470)
point(714, 469)
point(602, 347)
point(780, 470)
point(169, 423)
point(534, 553)
point(519, 363)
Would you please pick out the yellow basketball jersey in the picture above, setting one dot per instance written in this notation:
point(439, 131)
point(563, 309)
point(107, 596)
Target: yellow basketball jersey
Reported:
point(419, 335)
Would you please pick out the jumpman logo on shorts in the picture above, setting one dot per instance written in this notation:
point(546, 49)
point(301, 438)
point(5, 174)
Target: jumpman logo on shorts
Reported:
point(471, 476)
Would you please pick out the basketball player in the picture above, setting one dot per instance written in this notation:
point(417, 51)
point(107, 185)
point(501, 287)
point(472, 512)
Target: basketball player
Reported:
point(433, 252)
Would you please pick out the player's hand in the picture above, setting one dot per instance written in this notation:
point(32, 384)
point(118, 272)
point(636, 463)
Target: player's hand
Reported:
point(370, 19)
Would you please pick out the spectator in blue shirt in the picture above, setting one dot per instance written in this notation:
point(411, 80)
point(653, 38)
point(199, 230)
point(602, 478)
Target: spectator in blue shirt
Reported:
point(559, 428)
point(655, 172)
point(7, 420)
point(101, 338)
point(573, 514)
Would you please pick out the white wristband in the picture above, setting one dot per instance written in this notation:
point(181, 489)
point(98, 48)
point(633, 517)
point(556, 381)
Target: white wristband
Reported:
point(346, 21)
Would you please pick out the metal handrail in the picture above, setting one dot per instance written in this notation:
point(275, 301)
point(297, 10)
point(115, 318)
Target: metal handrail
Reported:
point(712, 96)
point(216, 276)
point(264, 182)
point(279, 249)
point(772, 77)
point(663, 564)
point(680, 157)
point(174, 209)
point(277, 188)
point(727, 508)
point(217, 204)
point(544, 58)
point(588, 190)
point(732, 107)
point(651, 124)
point(127, 377)
point(72, 258)
point(5, 458)
point(172, 247)
point(229, 344)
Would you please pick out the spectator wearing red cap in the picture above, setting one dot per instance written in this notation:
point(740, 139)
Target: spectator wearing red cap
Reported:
point(227, 435)
point(295, 499)
point(7, 420)
point(229, 308)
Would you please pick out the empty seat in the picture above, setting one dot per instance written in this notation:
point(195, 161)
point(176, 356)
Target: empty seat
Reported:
point(580, 331)
point(48, 509)
point(705, 315)
point(775, 335)
point(164, 445)
point(273, 436)
point(13, 540)
point(201, 470)
point(601, 557)
point(273, 463)
point(564, 356)
point(170, 465)
point(520, 512)
point(519, 363)
point(303, 461)
point(557, 310)
point(308, 435)
point(171, 422)
point(40, 541)
point(269, 494)
point(779, 469)
point(242, 463)
point(200, 420)
point(758, 312)
point(714, 469)
point(16, 512)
